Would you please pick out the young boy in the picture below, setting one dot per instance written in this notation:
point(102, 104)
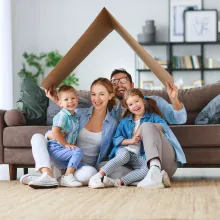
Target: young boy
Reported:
point(62, 150)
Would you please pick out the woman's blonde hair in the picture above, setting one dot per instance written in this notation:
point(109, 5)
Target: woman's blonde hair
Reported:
point(150, 104)
point(108, 85)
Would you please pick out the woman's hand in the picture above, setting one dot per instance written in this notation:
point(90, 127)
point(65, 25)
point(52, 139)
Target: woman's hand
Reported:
point(52, 94)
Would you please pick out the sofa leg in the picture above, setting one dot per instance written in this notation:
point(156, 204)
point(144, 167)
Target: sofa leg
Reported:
point(13, 171)
point(25, 170)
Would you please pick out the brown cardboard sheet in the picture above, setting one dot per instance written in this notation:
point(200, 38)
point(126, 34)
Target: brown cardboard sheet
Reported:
point(100, 28)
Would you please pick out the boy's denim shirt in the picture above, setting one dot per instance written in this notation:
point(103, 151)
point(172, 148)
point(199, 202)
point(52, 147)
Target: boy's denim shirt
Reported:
point(126, 126)
point(171, 115)
point(108, 130)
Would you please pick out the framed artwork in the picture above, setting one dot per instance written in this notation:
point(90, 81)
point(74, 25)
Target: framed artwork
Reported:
point(147, 85)
point(201, 26)
point(176, 17)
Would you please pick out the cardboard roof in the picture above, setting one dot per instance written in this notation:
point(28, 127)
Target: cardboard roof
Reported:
point(100, 28)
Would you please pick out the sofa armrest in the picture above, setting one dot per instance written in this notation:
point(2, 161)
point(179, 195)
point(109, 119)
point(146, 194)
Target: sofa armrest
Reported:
point(2, 126)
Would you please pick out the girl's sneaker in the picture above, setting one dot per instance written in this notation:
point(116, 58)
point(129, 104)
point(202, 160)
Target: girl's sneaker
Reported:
point(69, 180)
point(108, 182)
point(95, 182)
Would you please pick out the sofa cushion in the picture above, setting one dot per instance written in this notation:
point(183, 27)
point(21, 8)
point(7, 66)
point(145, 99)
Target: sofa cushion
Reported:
point(197, 135)
point(14, 117)
point(20, 136)
point(32, 102)
point(196, 99)
point(210, 114)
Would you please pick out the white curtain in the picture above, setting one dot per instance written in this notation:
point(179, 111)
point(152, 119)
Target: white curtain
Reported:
point(6, 79)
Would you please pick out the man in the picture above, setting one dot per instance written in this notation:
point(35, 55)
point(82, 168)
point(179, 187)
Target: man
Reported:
point(122, 82)
point(173, 114)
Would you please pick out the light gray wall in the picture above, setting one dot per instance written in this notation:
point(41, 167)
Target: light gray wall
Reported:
point(43, 25)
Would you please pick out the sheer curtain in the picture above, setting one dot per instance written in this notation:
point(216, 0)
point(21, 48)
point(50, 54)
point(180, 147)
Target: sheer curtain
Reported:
point(6, 79)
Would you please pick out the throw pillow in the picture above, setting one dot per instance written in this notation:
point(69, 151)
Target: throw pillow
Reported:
point(14, 117)
point(32, 102)
point(53, 108)
point(210, 114)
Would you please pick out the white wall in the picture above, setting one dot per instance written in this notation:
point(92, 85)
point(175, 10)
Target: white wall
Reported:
point(43, 25)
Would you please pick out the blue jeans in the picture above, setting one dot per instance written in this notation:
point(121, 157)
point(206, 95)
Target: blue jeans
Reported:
point(63, 157)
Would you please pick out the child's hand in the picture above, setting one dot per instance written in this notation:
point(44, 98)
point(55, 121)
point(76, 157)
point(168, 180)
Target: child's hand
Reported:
point(136, 139)
point(70, 146)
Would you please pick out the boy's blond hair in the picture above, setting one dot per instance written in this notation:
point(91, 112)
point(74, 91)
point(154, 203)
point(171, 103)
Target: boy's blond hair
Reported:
point(65, 88)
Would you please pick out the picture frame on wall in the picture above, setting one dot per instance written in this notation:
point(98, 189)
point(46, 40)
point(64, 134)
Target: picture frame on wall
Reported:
point(201, 26)
point(176, 17)
point(147, 85)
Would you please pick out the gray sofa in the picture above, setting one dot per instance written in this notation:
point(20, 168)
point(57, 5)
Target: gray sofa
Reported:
point(201, 144)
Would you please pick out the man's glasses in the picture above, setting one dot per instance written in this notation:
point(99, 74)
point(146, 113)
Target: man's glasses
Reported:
point(122, 80)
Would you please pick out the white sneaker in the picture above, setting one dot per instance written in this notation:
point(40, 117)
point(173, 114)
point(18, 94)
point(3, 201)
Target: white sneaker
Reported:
point(108, 182)
point(25, 179)
point(154, 179)
point(70, 181)
point(95, 182)
point(43, 181)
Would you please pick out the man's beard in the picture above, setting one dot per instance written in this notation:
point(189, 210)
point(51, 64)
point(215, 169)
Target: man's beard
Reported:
point(119, 97)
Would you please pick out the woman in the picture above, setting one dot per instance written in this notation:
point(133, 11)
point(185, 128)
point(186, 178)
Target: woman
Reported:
point(97, 128)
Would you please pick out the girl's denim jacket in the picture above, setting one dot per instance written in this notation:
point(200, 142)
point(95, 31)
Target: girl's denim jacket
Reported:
point(108, 130)
point(126, 126)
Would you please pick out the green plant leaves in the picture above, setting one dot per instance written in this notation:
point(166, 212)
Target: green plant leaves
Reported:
point(38, 64)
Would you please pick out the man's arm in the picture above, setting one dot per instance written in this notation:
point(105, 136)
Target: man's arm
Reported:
point(171, 115)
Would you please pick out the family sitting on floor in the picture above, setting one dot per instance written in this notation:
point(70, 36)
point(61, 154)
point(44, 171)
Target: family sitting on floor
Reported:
point(121, 125)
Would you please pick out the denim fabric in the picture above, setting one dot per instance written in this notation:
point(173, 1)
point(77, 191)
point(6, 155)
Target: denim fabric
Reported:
point(108, 130)
point(126, 126)
point(63, 157)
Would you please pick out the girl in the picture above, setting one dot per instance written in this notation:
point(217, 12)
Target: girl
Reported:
point(96, 130)
point(134, 146)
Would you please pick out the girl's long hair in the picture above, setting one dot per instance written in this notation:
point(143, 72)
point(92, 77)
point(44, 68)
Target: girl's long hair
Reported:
point(108, 85)
point(150, 104)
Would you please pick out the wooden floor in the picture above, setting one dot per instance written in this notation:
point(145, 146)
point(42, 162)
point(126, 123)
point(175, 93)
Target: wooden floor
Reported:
point(195, 194)
point(187, 199)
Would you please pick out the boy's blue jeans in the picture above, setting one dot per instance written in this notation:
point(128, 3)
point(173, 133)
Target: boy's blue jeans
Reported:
point(63, 157)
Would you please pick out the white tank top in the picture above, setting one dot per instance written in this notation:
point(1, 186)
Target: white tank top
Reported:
point(90, 143)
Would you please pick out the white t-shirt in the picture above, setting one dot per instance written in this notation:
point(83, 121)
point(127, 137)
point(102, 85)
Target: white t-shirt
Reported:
point(135, 148)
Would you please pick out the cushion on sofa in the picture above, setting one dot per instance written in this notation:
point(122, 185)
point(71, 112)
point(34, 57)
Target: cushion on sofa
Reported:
point(196, 98)
point(33, 102)
point(14, 117)
point(210, 114)
point(21, 136)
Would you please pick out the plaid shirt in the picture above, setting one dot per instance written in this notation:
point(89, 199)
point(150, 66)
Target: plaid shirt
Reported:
point(68, 123)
